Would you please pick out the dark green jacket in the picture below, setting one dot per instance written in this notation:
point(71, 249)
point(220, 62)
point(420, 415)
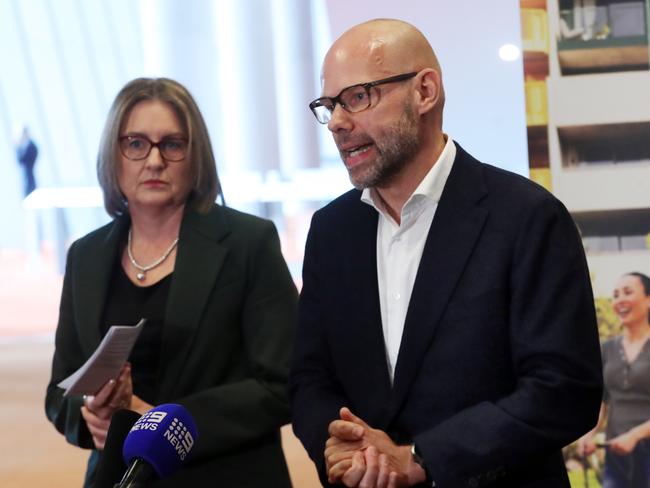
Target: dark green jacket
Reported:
point(227, 340)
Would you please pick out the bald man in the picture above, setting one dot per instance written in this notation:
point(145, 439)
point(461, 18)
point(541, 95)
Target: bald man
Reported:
point(447, 334)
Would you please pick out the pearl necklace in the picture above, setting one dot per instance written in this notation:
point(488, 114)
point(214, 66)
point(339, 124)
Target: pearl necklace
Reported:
point(142, 274)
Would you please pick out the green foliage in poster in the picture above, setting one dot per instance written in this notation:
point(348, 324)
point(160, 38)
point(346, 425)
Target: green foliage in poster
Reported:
point(608, 323)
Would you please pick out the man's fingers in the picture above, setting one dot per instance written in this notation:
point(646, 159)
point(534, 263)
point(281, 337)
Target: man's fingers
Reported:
point(334, 456)
point(372, 468)
point(353, 476)
point(346, 414)
point(335, 441)
point(336, 471)
point(345, 430)
point(384, 471)
point(334, 444)
point(392, 480)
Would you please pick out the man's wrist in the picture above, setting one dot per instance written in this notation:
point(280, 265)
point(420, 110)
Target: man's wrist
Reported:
point(418, 472)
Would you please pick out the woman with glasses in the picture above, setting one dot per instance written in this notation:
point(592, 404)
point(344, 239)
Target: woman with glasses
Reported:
point(625, 412)
point(216, 294)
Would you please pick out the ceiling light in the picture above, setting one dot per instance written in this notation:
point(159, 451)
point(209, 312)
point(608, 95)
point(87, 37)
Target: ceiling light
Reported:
point(509, 52)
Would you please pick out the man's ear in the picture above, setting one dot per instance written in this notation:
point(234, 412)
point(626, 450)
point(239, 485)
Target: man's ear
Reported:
point(428, 90)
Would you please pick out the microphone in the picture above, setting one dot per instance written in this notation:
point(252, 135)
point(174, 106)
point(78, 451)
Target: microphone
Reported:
point(111, 466)
point(157, 445)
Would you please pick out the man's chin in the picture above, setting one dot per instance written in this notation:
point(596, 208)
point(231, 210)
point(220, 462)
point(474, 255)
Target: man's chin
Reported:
point(358, 185)
point(360, 181)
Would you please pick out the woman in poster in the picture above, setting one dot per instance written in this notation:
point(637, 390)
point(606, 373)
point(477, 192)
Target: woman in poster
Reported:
point(626, 402)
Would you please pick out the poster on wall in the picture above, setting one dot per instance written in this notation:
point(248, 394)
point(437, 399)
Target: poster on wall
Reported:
point(587, 85)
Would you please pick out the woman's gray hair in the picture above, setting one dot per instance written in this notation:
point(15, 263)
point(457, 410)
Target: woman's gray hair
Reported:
point(206, 186)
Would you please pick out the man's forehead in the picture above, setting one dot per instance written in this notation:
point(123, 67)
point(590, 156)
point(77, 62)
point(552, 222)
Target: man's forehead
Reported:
point(344, 67)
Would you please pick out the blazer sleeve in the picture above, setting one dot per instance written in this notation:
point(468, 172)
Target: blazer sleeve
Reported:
point(240, 413)
point(316, 394)
point(555, 355)
point(65, 412)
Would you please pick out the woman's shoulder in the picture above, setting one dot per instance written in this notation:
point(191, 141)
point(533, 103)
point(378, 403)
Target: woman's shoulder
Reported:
point(242, 218)
point(610, 346)
point(100, 234)
point(234, 221)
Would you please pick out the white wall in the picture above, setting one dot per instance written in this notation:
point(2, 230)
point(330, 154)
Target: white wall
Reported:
point(485, 108)
point(64, 60)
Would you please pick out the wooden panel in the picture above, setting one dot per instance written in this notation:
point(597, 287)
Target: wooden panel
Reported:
point(538, 156)
point(535, 64)
point(533, 4)
point(606, 57)
point(536, 102)
point(542, 176)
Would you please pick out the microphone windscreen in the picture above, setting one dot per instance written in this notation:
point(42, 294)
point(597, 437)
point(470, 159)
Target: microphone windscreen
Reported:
point(163, 437)
point(111, 467)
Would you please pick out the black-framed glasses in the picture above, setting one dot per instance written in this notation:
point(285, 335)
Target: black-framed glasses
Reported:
point(354, 98)
point(137, 147)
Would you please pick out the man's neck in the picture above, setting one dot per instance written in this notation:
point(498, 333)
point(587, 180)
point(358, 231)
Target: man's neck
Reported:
point(395, 193)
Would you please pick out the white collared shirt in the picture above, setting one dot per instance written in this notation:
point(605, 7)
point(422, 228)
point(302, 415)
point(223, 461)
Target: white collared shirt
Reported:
point(400, 246)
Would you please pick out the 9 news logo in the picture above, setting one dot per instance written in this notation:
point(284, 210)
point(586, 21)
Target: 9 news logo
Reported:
point(179, 437)
point(149, 421)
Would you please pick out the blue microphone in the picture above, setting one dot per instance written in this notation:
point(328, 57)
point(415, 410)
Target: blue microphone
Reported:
point(157, 445)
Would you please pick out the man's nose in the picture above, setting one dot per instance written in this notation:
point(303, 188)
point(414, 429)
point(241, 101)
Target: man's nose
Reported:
point(340, 119)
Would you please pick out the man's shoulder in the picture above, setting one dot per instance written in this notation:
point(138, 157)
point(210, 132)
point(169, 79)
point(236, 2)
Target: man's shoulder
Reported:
point(503, 188)
point(351, 197)
point(344, 205)
point(497, 178)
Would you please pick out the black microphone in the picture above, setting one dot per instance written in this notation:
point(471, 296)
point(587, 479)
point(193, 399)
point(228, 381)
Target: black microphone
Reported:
point(157, 445)
point(111, 465)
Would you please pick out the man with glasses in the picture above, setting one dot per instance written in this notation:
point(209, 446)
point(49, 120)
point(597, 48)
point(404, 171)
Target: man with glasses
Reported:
point(447, 334)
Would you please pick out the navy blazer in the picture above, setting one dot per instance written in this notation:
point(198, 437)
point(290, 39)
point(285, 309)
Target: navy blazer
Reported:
point(226, 342)
point(499, 364)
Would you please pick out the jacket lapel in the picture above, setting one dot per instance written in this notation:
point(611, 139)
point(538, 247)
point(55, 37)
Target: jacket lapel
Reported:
point(451, 239)
point(93, 273)
point(199, 258)
point(367, 330)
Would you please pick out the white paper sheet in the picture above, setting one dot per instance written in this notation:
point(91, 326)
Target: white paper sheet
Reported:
point(105, 363)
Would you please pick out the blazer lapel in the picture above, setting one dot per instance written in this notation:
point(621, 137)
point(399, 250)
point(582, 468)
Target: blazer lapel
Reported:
point(199, 258)
point(451, 239)
point(365, 338)
point(93, 273)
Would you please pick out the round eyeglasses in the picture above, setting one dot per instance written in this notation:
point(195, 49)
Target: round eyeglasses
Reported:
point(353, 98)
point(137, 147)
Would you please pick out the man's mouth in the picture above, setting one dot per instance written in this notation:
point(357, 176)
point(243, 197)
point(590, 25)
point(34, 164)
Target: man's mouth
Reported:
point(358, 150)
point(355, 154)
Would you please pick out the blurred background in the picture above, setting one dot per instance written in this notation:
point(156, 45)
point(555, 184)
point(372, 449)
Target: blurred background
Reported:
point(253, 66)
